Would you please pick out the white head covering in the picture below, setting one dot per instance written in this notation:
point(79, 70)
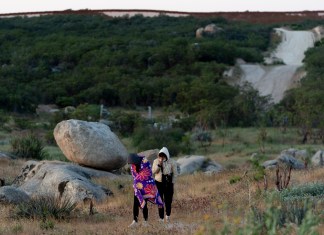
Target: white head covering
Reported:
point(165, 151)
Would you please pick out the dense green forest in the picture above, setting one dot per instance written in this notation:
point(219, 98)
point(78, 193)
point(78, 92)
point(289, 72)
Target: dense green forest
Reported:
point(77, 59)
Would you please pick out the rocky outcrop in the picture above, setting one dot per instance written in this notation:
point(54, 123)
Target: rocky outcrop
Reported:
point(296, 153)
point(199, 32)
point(286, 157)
point(12, 195)
point(61, 179)
point(318, 158)
point(318, 32)
point(295, 163)
point(210, 29)
point(191, 164)
point(90, 144)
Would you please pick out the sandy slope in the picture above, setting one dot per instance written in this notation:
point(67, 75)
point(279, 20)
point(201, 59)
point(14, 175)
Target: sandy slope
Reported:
point(274, 80)
point(293, 46)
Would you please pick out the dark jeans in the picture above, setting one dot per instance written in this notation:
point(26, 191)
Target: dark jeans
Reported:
point(166, 193)
point(136, 209)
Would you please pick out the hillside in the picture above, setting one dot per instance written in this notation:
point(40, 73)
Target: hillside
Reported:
point(75, 58)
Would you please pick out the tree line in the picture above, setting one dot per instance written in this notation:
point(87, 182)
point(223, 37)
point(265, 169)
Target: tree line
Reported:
point(137, 61)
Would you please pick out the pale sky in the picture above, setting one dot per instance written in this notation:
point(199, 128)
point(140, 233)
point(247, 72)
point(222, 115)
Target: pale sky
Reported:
point(13, 6)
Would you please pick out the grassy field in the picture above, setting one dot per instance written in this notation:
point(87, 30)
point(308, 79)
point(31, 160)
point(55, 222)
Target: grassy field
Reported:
point(203, 204)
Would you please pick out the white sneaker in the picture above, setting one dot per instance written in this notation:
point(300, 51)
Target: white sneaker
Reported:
point(133, 224)
point(161, 221)
point(167, 219)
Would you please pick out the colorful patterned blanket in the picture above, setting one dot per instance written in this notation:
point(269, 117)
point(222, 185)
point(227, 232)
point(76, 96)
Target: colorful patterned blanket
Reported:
point(144, 184)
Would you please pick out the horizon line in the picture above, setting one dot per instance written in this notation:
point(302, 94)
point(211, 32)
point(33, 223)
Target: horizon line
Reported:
point(147, 10)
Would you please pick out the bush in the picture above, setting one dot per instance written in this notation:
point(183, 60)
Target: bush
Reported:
point(124, 122)
point(3, 118)
point(151, 138)
point(46, 225)
point(28, 147)
point(58, 117)
point(45, 207)
point(303, 191)
point(87, 112)
point(280, 211)
point(186, 123)
point(50, 137)
point(204, 138)
point(235, 179)
point(22, 123)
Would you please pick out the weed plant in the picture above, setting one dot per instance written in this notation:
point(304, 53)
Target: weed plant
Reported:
point(28, 147)
point(303, 191)
point(45, 207)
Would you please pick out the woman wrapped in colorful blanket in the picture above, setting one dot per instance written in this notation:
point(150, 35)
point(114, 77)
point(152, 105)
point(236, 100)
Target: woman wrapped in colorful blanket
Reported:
point(144, 186)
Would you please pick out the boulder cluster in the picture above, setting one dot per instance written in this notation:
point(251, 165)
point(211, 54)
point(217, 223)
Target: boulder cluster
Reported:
point(94, 151)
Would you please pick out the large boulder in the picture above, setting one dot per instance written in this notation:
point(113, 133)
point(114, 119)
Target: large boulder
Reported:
point(12, 195)
point(286, 159)
point(212, 29)
point(289, 160)
point(296, 153)
point(318, 32)
point(270, 164)
point(64, 180)
point(199, 32)
point(90, 144)
point(191, 164)
point(209, 29)
point(318, 158)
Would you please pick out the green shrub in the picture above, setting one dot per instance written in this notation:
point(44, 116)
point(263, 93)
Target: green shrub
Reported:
point(3, 118)
point(45, 207)
point(58, 117)
point(303, 191)
point(279, 212)
point(235, 179)
point(150, 138)
point(204, 138)
point(22, 123)
point(87, 112)
point(17, 228)
point(124, 123)
point(186, 123)
point(49, 137)
point(46, 224)
point(28, 147)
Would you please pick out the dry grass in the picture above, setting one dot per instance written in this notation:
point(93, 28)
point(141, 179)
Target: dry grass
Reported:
point(9, 169)
point(199, 199)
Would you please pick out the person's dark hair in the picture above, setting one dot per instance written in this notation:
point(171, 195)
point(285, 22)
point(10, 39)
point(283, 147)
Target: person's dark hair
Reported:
point(133, 158)
point(163, 155)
